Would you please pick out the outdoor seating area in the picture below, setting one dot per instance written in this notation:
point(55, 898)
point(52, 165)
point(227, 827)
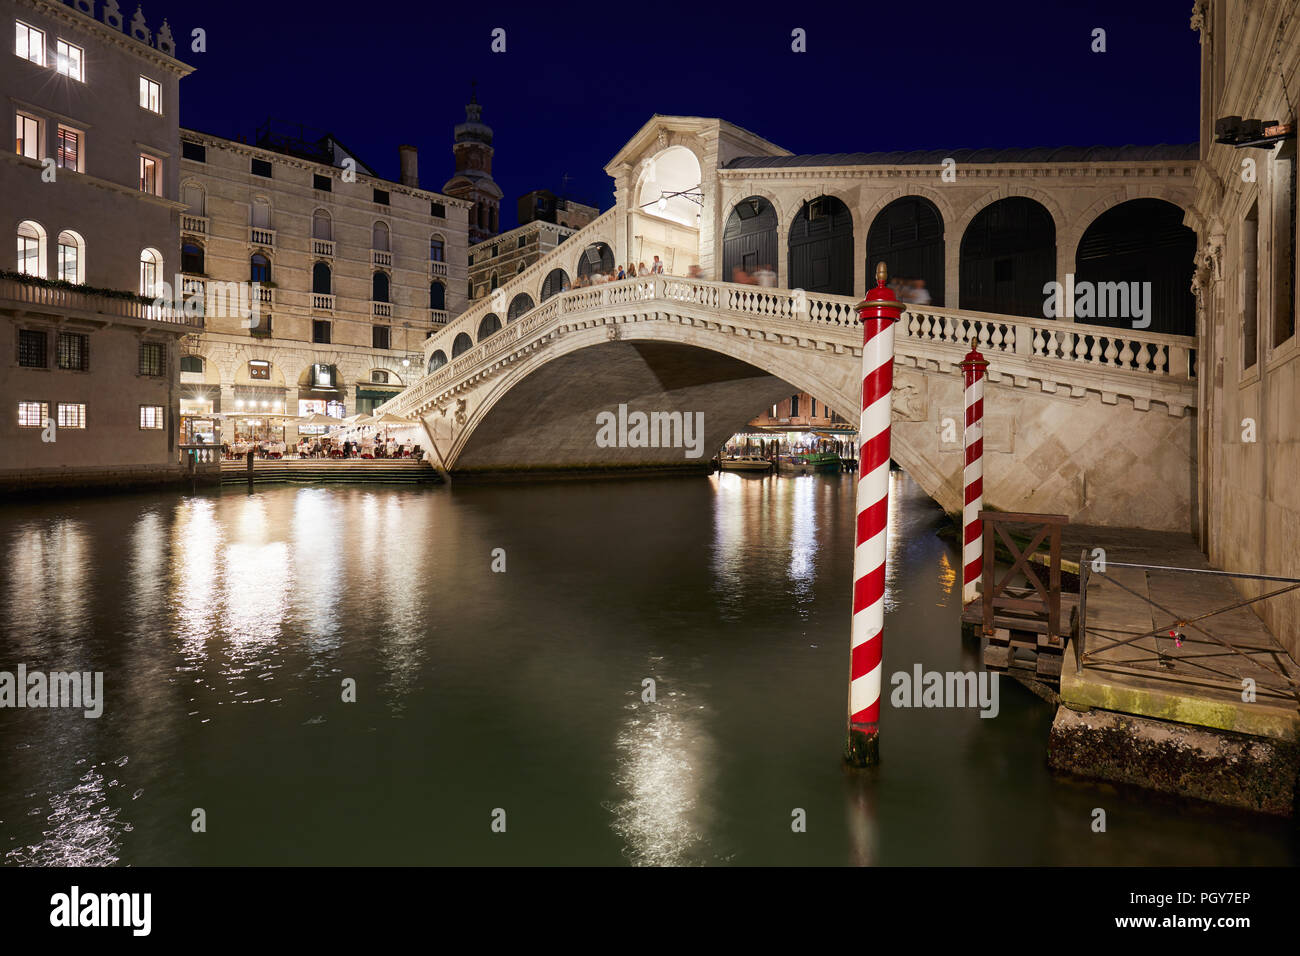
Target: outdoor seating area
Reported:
point(360, 437)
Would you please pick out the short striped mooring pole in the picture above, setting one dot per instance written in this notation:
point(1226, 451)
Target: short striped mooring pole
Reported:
point(972, 549)
point(878, 311)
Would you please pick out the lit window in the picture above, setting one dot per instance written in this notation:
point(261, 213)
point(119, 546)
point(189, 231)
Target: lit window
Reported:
point(32, 414)
point(30, 44)
point(28, 137)
point(151, 267)
point(68, 154)
point(149, 178)
point(31, 240)
point(68, 59)
point(150, 95)
point(151, 416)
point(71, 262)
point(153, 359)
point(72, 415)
point(74, 352)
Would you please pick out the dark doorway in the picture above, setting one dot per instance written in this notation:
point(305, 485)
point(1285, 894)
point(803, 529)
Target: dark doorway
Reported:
point(749, 240)
point(821, 247)
point(1007, 255)
point(597, 257)
point(907, 235)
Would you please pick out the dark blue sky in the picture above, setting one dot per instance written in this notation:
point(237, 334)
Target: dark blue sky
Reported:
point(576, 81)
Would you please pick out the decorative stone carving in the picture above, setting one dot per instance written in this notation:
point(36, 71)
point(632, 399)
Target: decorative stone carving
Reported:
point(909, 396)
point(1199, 10)
point(614, 333)
point(85, 6)
point(111, 14)
point(166, 42)
point(140, 29)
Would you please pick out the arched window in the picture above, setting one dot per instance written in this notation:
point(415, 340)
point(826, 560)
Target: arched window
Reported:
point(194, 198)
point(437, 360)
point(821, 247)
point(557, 280)
point(31, 248)
point(520, 270)
point(907, 236)
point(437, 249)
point(192, 258)
point(488, 326)
point(151, 272)
point(322, 227)
point(192, 363)
point(379, 287)
point(461, 345)
point(495, 284)
point(1008, 253)
point(518, 306)
point(261, 214)
point(259, 268)
point(72, 257)
point(749, 238)
point(379, 236)
point(597, 257)
point(437, 296)
point(321, 280)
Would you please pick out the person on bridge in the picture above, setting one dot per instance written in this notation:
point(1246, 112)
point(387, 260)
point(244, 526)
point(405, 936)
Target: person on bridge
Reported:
point(658, 267)
point(621, 273)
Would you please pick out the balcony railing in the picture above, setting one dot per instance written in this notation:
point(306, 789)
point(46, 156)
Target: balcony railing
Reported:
point(324, 303)
point(381, 257)
point(437, 268)
point(64, 301)
point(322, 247)
point(439, 316)
point(383, 310)
point(195, 224)
point(261, 237)
point(191, 286)
point(265, 295)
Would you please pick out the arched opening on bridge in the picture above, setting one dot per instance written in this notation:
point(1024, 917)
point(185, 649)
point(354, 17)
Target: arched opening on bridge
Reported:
point(907, 235)
point(749, 239)
point(821, 247)
point(665, 218)
point(461, 345)
point(597, 257)
point(1008, 254)
point(554, 283)
point(437, 360)
point(518, 306)
point(1135, 242)
point(488, 325)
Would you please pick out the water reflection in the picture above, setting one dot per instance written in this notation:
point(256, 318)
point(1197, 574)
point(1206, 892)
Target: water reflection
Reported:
point(48, 589)
point(84, 828)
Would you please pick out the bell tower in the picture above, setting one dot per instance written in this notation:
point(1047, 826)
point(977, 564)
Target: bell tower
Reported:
point(472, 147)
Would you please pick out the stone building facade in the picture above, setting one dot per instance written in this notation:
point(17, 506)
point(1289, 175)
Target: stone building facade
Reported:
point(88, 390)
point(504, 256)
point(353, 272)
point(1244, 212)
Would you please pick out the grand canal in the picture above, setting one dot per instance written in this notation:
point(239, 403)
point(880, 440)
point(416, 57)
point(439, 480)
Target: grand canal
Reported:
point(227, 623)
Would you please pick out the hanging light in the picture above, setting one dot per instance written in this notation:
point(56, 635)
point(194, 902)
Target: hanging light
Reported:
point(662, 204)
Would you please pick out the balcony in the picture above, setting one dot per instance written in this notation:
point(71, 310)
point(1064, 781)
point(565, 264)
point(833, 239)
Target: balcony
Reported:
point(437, 269)
point(322, 303)
point(38, 297)
point(381, 257)
point(322, 247)
point(261, 237)
point(382, 310)
point(195, 225)
point(191, 285)
point(265, 295)
point(439, 316)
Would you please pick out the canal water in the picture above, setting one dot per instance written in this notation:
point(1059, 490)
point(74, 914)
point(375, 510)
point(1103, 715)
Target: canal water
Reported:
point(226, 625)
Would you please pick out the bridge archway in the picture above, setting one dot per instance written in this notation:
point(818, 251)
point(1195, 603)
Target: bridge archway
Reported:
point(554, 283)
point(749, 239)
point(907, 235)
point(821, 247)
point(597, 257)
point(1142, 240)
point(489, 324)
point(1008, 253)
point(461, 345)
point(518, 306)
point(667, 208)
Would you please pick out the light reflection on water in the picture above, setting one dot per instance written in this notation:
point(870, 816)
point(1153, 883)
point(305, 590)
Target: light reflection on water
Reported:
point(84, 829)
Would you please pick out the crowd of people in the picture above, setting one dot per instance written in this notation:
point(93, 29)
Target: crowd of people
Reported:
point(764, 275)
point(630, 271)
point(322, 446)
point(911, 291)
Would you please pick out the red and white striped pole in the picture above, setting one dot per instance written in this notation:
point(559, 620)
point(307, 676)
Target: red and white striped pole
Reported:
point(878, 311)
point(972, 552)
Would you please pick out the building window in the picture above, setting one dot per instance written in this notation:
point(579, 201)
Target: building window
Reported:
point(71, 415)
point(192, 363)
point(32, 414)
point(31, 348)
point(29, 136)
point(322, 376)
point(261, 167)
point(153, 359)
point(322, 227)
point(323, 183)
point(151, 417)
point(192, 258)
point(379, 287)
point(194, 151)
point(437, 296)
point(68, 153)
point(381, 196)
point(68, 59)
point(494, 252)
point(259, 268)
point(379, 376)
point(1250, 288)
point(438, 250)
point(379, 337)
point(379, 236)
point(523, 241)
point(30, 43)
point(794, 406)
point(151, 270)
point(321, 280)
point(150, 180)
point(1284, 239)
point(74, 352)
point(72, 267)
point(31, 249)
point(437, 210)
point(320, 332)
point(259, 370)
point(150, 95)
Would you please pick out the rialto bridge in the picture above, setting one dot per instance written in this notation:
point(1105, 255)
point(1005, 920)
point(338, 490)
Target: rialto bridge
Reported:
point(1095, 418)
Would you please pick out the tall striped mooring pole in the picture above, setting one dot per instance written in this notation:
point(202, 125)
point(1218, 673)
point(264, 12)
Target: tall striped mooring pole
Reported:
point(878, 312)
point(972, 549)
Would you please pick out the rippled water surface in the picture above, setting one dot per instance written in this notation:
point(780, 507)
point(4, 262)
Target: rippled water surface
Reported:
point(227, 623)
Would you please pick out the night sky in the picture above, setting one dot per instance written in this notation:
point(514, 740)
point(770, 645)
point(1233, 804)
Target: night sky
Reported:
point(576, 81)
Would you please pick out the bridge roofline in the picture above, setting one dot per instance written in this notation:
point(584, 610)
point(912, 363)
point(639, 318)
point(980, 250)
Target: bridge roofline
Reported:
point(646, 136)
